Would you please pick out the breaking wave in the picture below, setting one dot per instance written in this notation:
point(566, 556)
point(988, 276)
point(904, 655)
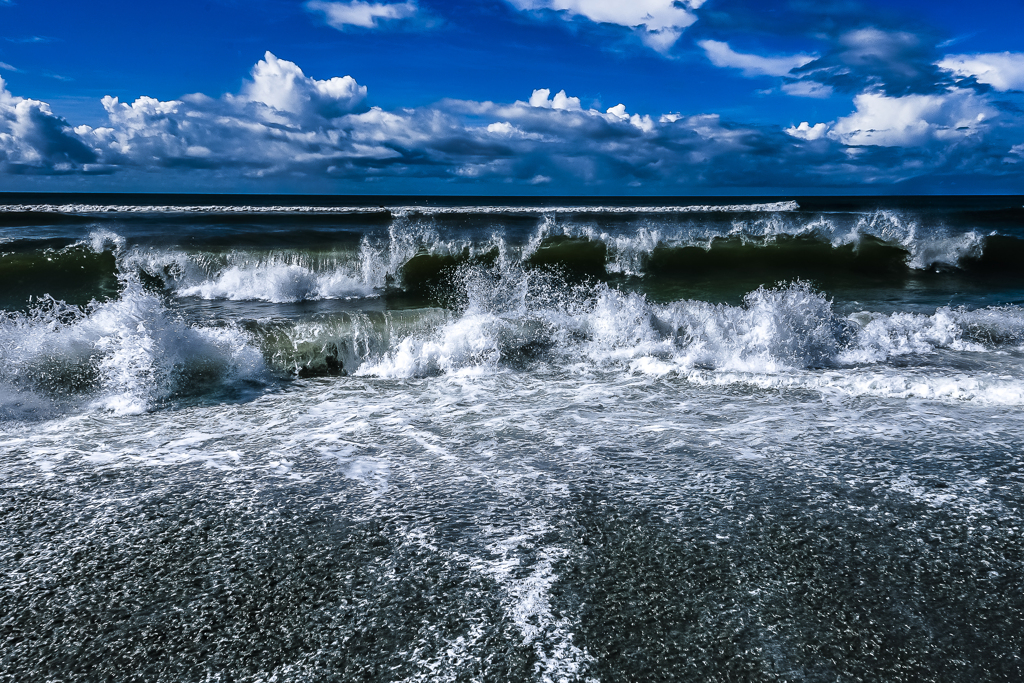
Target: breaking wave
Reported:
point(786, 337)
point(133, 353)
point(127, 355)
point(97, 321)
point(418, 256)
point(774, 331)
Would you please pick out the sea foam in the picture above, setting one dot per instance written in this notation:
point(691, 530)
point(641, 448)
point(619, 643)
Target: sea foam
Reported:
point(126, 355)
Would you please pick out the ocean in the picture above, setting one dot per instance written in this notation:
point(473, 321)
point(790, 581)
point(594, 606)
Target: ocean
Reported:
point(266, 438)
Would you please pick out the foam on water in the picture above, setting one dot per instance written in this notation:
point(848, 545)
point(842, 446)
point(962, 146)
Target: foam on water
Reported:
point(126, 356)
point(927, 248)
point(282, 276)
point(628, 252)
point(787, 337)
point(528, 603)
point(382, 259)
point(130, 353)
point(504, 458)
point(278, 283)
point(246, 276)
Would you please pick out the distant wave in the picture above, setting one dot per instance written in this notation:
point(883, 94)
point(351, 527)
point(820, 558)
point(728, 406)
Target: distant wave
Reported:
point(417, 257)
point(398, 210)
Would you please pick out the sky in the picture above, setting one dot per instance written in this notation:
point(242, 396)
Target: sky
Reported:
point(513, 97)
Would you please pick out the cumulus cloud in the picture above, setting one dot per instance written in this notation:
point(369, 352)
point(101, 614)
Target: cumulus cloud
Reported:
point(806, 131)
point(362, 14)
point(542, 98)
point(282, 119)
point(284, 123)
point(34, 140)
point(659, 22)
point(644, 123)
point(912, 120)
point(1002, 70)
point(722, 55)
point(282, 86)
point(507, 130)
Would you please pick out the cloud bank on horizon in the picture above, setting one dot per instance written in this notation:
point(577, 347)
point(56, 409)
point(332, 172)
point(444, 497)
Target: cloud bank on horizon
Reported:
point(913, 111)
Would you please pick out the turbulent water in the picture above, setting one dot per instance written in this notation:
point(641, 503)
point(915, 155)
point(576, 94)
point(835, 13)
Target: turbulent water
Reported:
point(399, 439)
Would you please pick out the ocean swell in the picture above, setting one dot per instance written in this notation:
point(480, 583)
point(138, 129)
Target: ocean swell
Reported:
point(418, 253)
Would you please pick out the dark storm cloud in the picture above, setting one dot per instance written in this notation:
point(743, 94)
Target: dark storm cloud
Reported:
point(896, 63)
point(859, 47)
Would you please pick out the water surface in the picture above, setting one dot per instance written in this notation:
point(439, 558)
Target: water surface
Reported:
point(282, 438)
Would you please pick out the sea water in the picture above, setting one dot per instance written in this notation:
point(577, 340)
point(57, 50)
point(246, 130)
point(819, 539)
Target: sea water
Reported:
point(415, 439)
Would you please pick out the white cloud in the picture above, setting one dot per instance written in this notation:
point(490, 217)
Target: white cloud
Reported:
point(1016, 155)
point(362, 14)
point(722, 55)
point(34, 140)
point(502, 128)
point(4, 66)
point(661, 40)
point(808, 132)
point(807, 89)
point(281, 85)
point(541, 98)
point(507, 130)
point(1001, 70)
point(660, 22)
point(619, 112)
point(285, 124)
point(644, 123)
point(913, 119)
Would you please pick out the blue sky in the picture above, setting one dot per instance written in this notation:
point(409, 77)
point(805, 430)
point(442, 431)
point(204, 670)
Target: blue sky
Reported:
point(512, 96)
